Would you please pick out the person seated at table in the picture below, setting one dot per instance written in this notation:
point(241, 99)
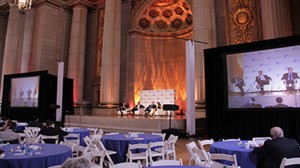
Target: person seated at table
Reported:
point(51, 130)
point(8, 134)
point(137, 107)
point(151, 109)
point(79, 162)
point(273, 151)
point(122, 109)
point(35, 122)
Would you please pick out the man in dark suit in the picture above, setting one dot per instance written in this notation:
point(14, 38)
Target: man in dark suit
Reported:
point(137, 107)
point(239, 83)
point(289, 79)
point(262, 80)
point(271, 153)
point(151, 108)
point(51, 130)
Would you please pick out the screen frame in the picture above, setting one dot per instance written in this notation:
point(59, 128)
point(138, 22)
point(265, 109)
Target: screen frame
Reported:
point(237, 50)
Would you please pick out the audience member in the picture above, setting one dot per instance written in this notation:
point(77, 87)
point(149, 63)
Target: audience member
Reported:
point(239, 83)
point(262, 80)
point(250, 104)
point(253, 102)
point(35, 122)
point(137, 107)
point(279, 101)
point(51, 130)
point(273, 151)
point(151, 108)
point(8, 134)
point(289, 80)
point(79, 162)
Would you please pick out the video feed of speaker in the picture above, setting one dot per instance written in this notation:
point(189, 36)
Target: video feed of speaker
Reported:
point(264, 78)
point(24, 92)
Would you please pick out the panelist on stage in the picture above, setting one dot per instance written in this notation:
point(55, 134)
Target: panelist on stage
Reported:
point(290, 79)
point(137, 107)
point(262, 80)
point(122, 109)
point(239, 83)
point(151, 108)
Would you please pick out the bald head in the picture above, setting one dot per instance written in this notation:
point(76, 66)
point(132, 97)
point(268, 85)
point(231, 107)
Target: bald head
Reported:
point(276, 132)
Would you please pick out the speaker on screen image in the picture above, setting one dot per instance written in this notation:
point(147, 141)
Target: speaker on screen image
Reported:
point(264, 76)
point(24, 92)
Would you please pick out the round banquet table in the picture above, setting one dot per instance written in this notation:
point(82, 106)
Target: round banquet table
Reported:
point(244, 159)
point(82, 133)
point(120, 142)
point(48, 155)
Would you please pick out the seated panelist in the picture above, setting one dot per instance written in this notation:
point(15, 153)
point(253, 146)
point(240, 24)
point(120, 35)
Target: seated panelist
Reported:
point(122, 109)
point(137, 107)
point(151, 108)
point(289, 79)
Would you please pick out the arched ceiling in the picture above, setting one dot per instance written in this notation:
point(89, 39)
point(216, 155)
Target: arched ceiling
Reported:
point(162, 18)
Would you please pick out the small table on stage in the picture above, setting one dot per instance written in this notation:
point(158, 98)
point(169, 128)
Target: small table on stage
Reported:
point(82, 133)
point(48, 155)
point(244, 159)
point(120, 143)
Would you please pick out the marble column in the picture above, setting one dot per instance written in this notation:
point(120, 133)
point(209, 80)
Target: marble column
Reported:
point(205, 31)
point(77, 50)
point(13, 43)
point(110, 67)
point(276, 19)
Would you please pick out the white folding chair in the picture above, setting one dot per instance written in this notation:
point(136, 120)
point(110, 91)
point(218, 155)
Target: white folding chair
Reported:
point(289, 162)
point(127, 165)
point(79, 150)
point(167, 163)
point(72, 138)
point(89, 143)
point(93, 131)
point(163, 135)
point(190, 146)
point(44, 138)
point(204, 143)
point(258, 141)
point(96, 137)
point(96, 157)
point(201, 157)
point(138, 156)
point(157, 154)
point(29, 136)
point(171, 149)
point(69, 144)
point(35, 130)
point(222, 157)
point(101, 147)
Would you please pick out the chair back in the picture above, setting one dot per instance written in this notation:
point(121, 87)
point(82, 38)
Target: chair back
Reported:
point(88, 142)
point(35, 130)
point(49, 139)
point(93, 130)
point(167, 163)
point(204, 143)
point(159, 154)
point(72, 138)
point(96, 157)
point(127, 165)
point(224, 157)
point(79, 150)
point(289, 162)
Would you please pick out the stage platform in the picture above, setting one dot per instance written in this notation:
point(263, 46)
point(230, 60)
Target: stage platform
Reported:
point(109, 121)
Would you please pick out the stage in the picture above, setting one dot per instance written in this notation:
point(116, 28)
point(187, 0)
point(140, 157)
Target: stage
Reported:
point(109, 121)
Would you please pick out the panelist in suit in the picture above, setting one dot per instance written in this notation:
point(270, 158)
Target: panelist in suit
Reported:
point(239, 83)
point(122, 109)
point(151, 108)
point(137, 107)
point(51, 130)
point(262, 80)
point(289, 79)
point(273, 151)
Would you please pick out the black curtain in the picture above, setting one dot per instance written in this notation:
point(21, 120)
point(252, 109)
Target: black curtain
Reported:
point(243, 123)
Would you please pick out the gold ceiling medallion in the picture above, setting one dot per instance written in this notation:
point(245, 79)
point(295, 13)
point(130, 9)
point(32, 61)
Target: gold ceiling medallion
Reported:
point(243, 20)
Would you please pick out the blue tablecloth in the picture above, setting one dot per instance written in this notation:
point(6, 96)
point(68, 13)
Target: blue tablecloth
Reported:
point(82, 132)
point(49, 155)
point(244, 159)
point(119, 143)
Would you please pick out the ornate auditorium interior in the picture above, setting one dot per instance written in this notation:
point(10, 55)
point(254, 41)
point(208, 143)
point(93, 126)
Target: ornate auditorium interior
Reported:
point(113, 50)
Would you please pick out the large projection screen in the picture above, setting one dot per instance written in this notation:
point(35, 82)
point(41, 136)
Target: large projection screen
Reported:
point(24, 92)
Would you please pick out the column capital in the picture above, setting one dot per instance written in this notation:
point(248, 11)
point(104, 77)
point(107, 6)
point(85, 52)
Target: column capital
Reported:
point(83, 3)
